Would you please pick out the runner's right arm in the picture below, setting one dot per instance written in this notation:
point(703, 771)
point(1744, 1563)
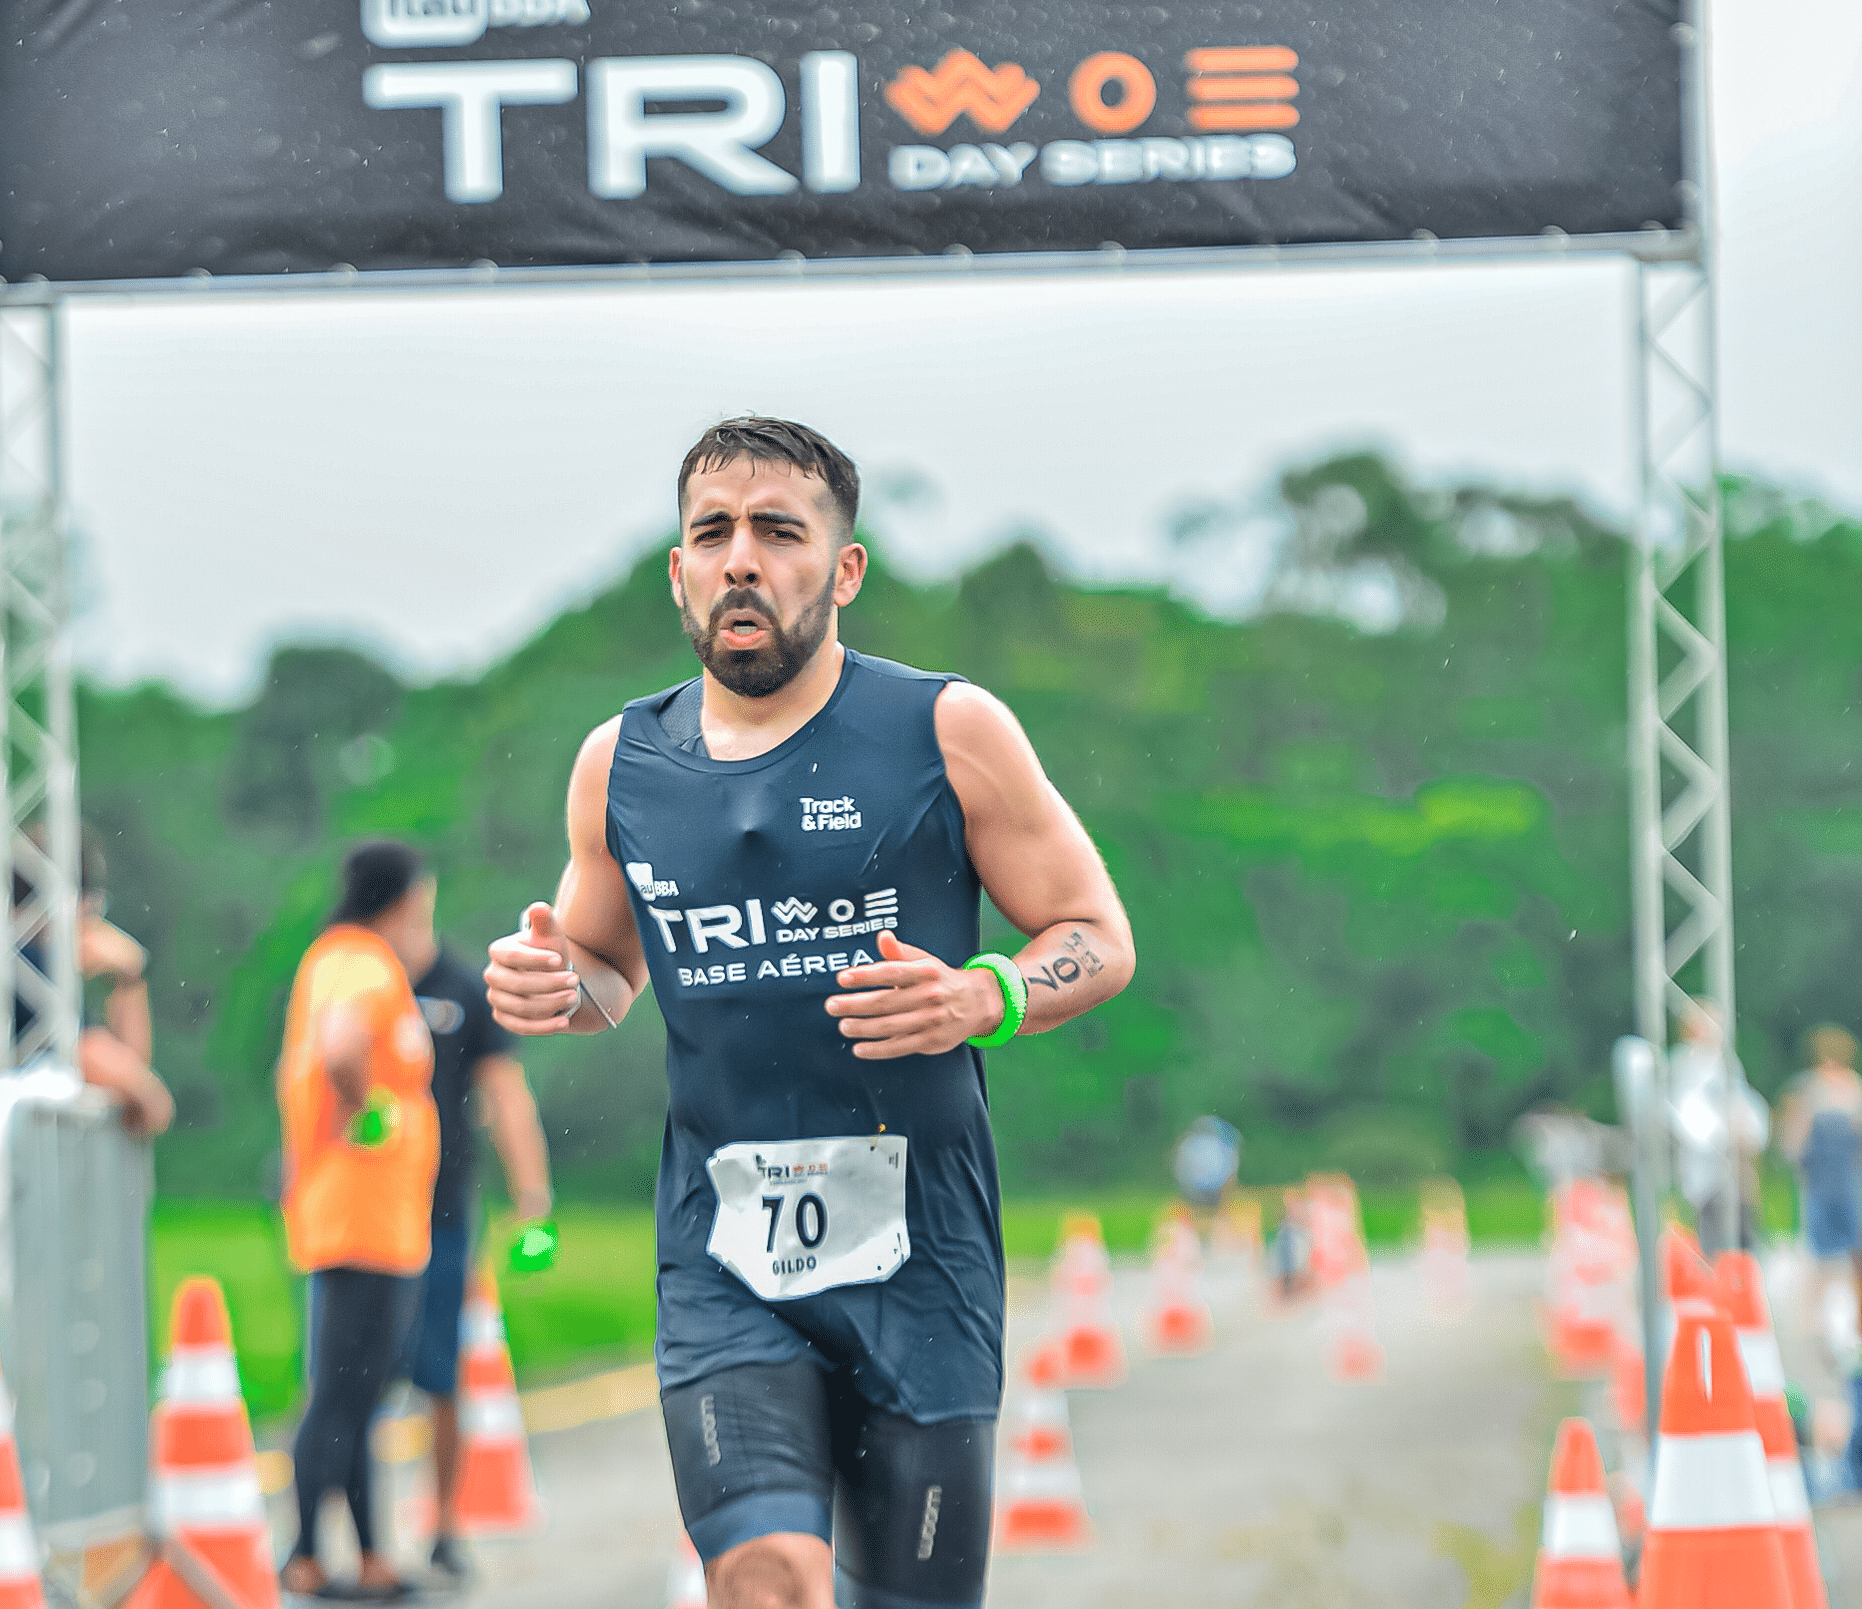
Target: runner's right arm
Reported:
point(591, 926)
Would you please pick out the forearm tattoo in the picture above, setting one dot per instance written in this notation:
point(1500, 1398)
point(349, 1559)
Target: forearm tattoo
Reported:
point(1076, 961)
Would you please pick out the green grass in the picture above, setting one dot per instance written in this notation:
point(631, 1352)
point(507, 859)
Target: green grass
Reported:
point(1032, 1228)
point(1503, 1212)
point(1778, 1195)
point(242, 1245)
point(595, 1308)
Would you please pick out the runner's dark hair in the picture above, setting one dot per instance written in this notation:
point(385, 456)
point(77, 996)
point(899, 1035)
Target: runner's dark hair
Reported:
point(778, 441)
point(376, 873)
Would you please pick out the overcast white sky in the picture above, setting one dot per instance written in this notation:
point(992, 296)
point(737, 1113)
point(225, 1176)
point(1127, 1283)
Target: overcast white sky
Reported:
point(438, 476)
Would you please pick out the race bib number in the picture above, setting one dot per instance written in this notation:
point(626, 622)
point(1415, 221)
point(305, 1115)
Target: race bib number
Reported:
point(797, 1217)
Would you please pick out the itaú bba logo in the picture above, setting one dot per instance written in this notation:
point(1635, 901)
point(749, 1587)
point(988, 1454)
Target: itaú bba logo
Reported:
point(635, 110)
point(400, 23)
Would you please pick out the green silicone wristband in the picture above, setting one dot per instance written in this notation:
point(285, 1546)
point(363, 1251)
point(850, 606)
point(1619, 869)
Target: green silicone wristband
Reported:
point(1014, 998)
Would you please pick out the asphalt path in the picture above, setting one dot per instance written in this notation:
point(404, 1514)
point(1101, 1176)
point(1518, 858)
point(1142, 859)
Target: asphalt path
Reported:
point(1247, 1476)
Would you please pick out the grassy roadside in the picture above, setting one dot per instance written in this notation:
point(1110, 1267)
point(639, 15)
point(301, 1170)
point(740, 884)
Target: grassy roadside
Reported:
point(596, 1307)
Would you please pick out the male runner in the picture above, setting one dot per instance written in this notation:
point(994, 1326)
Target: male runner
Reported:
point(791, 847)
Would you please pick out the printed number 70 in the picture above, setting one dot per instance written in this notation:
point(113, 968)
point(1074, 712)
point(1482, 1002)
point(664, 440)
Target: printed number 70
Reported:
point(773, 1206)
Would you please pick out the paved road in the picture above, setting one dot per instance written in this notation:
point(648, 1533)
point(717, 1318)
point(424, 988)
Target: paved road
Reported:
point(1244, 1477)
point(1251, 1477)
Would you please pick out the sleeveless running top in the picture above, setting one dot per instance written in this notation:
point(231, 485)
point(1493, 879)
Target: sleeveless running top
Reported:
point(753, 883)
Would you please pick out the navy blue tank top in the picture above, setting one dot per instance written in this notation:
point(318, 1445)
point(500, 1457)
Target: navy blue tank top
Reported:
point(754, 882)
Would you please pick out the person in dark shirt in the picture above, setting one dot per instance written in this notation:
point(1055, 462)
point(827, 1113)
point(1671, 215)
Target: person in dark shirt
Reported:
point(471, 1055)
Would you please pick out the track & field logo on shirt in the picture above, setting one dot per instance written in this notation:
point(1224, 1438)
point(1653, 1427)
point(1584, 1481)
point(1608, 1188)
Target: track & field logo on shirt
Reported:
point(830, 815)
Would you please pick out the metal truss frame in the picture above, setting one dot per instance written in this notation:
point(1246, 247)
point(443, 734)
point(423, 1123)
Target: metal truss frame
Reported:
point(38, 749)
point(1681, 818)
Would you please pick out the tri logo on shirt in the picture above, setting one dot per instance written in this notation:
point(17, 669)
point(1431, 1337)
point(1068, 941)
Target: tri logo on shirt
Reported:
point(706, 929)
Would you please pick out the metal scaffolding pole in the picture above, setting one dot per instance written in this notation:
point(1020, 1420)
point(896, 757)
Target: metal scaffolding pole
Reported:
point(1678, 661)
point(39, 978)
point(1680, 807)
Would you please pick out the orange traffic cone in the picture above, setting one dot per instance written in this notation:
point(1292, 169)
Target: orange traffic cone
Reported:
point(497, 1492)
point(1341, 1266)
point(1742, 1294)
point(1335, 1224)
point(1352, 1351)
point(1712, 1540)
point(1178, 1323)
point(204, 1501)
point(19, 1551)
point(1685, 1274)
point(1090, 1342)
point(1040, 1505)
point(685, 1580)
point(1041, 1508)
point(1038, 1425)
point(1685, 1278)
point(1590, 1271)
point(1580, 1559)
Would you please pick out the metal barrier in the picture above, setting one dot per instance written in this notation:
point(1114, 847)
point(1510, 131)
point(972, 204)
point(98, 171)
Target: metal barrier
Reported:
point(74, 1204)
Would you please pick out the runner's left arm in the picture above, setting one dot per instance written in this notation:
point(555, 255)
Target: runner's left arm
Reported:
point(1044, 874)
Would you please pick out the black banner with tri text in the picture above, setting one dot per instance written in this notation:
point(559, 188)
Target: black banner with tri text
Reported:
point(148, 139)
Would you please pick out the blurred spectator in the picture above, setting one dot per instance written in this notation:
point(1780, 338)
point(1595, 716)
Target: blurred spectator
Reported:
point(114, 1055)
point(1702, 1071)
point(1205, 1160)
point(1292, 1248)
point(1820, 1133)
point(361, 1148)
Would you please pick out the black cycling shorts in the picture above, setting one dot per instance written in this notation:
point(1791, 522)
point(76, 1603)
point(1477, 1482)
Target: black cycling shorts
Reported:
point(768, 1447)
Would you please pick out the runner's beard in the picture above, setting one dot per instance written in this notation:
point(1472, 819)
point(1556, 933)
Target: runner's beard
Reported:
point(758, 672)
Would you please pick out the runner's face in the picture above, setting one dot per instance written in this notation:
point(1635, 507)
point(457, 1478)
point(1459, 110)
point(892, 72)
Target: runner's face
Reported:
point(759, 571)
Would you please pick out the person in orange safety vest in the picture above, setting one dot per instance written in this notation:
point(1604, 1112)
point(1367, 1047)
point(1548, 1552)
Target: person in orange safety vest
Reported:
point(361, 1147)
